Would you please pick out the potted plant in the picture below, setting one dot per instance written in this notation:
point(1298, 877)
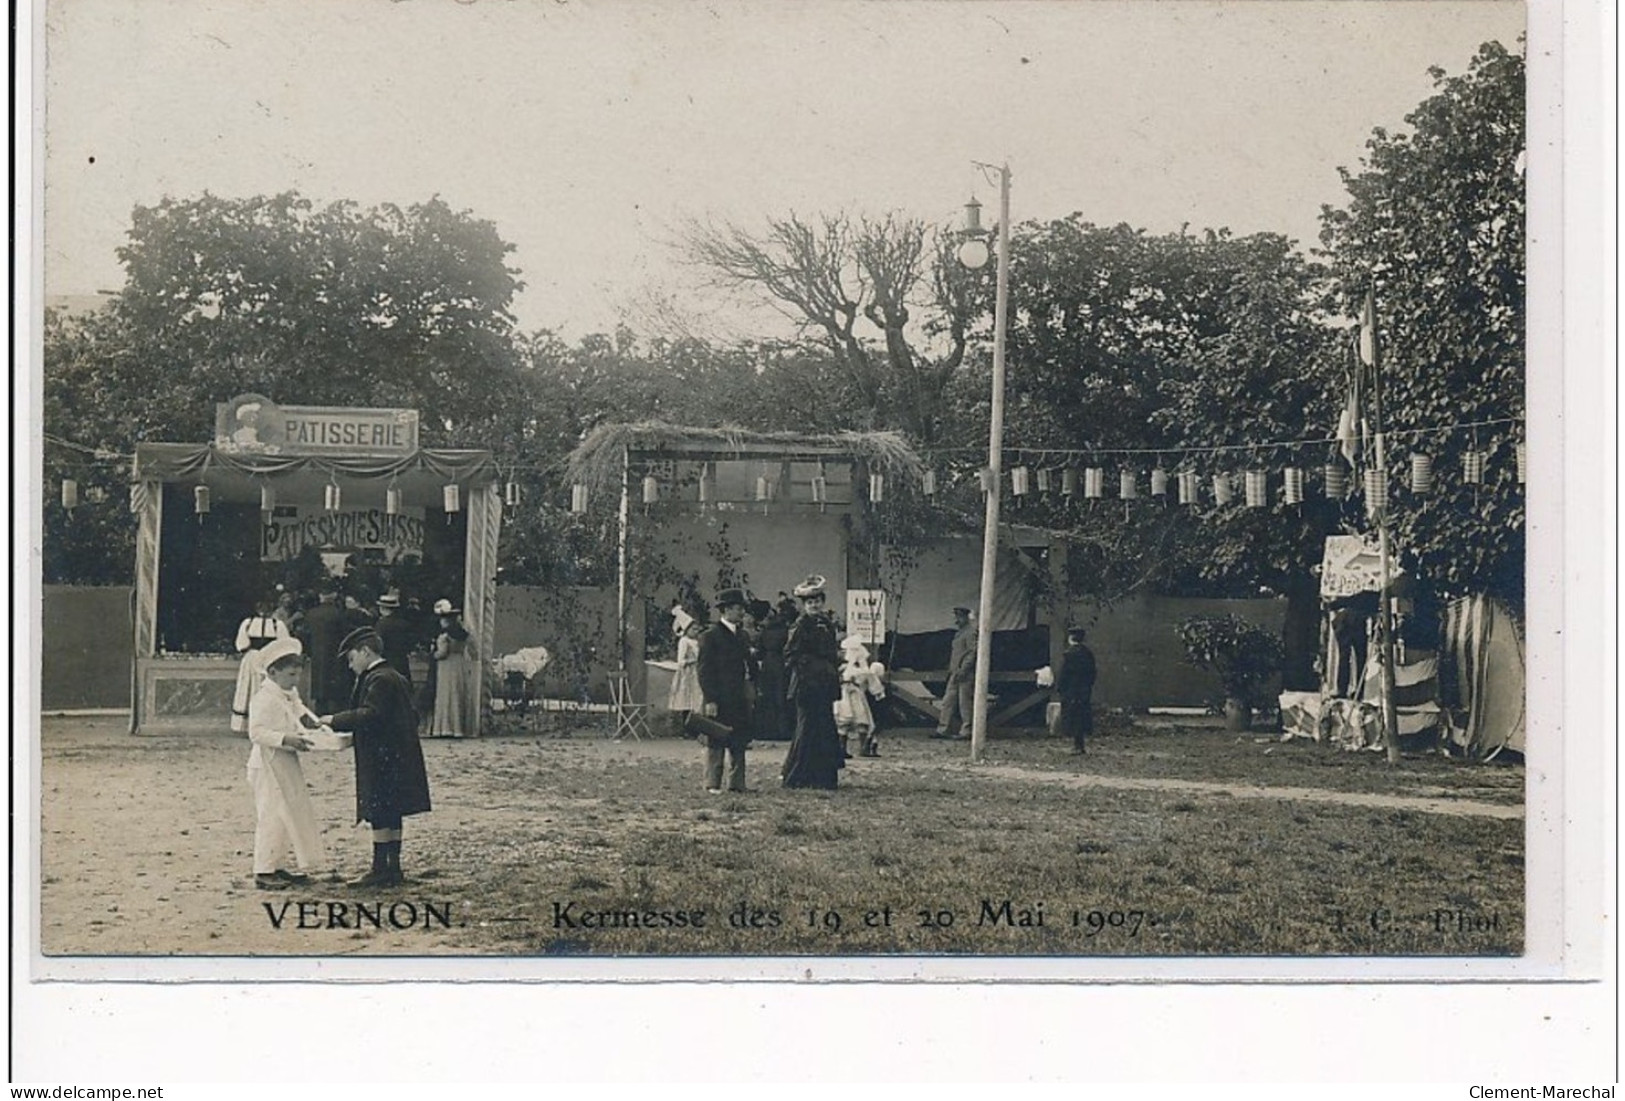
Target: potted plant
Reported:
point(1244, 656)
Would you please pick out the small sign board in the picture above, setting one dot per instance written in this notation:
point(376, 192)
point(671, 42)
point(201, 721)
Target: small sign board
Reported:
point(254, 423)
point(1351, 565)
point(866, 614)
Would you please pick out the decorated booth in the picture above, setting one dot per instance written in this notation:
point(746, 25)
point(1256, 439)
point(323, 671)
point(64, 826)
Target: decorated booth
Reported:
point(324, 495)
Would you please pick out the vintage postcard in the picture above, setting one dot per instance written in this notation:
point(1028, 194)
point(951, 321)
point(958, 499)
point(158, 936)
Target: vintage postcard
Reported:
point(895, 491)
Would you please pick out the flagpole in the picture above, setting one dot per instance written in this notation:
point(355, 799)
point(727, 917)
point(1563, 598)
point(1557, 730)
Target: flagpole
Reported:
point(1385, 619)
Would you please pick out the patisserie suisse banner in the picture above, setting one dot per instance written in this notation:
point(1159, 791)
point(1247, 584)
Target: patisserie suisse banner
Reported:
point(292, 528)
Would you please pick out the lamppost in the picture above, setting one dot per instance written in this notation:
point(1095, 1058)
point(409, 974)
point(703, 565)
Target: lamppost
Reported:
point(973, 254)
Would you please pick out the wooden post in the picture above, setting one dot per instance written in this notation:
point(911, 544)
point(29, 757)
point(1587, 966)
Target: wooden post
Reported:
point(1385, 619)
point(995, 448)
point(147, 501)
point(622, 577)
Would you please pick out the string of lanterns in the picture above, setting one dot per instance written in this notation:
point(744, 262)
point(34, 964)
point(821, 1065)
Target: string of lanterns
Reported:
point(1254, 484)
point(1025, 479)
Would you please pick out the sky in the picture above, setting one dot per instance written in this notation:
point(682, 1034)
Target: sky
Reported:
point(589, 133)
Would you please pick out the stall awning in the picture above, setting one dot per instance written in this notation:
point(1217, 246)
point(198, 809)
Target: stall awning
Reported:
point(238, 475)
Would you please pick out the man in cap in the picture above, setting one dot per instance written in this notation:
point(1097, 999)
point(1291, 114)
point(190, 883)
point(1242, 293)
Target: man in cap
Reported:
point(960, 694)
point(397, 633)
point(390, 780)
point(1075, 683)
point(725, 675)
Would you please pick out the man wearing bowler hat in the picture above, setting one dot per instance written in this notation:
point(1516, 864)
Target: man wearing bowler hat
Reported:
point(725, 674)
point(390, 780)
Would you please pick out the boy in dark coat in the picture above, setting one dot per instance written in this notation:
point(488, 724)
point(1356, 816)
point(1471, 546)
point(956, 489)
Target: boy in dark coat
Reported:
point(1076, 683)
point(725, 674)
point(390, 780)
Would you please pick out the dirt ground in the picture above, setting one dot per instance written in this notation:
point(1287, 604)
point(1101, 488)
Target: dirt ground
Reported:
point(146, 841)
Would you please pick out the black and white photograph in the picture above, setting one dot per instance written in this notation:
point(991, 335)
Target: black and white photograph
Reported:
point(879, 492)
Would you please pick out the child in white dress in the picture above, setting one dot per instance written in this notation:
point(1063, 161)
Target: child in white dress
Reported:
point(685, 693)
point(859, 681)
point(278, 722)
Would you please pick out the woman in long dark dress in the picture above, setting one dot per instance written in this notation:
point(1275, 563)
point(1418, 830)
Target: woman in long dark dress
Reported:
point(773, 632)
point(812, 658)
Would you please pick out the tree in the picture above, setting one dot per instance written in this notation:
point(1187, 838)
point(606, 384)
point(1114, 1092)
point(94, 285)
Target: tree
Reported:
point(1435, 226)
point(854, 286)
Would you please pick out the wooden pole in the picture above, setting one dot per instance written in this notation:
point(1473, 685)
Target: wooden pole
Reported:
point(621, 572)
point(1385, 619)
point(995, 446)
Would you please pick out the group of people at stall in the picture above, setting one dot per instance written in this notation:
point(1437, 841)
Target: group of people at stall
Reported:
point(446, 703)
point(762, 671)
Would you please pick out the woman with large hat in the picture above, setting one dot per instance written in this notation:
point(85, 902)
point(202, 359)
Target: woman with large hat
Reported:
point(812, 659)
point(456, 699)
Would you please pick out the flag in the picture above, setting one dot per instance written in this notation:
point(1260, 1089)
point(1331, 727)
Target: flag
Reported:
point(1368, 330)
point(1348, 421)
point(1350, 427)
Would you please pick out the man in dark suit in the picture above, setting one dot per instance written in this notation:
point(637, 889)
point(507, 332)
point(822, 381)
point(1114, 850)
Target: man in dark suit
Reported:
point(398, 633)
point(390, 780)
point(725, 674)
point(323, 628)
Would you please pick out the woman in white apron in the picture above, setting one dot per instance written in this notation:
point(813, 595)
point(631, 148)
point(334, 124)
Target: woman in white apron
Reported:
point(253, 635)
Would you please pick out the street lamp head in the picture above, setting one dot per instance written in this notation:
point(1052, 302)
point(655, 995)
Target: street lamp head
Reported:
point(973, 252)
point(973, 218)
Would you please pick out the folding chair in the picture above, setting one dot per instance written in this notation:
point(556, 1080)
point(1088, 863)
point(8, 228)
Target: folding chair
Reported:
point(631, 717)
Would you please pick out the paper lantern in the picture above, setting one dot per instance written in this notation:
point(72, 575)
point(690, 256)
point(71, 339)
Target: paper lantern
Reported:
point(988, 478)
point(1128, 486)
point(1069, 482)
point(452, 497)
point(928, 482)
point(96, 495)
point(332, 497)
point(578, 498)
point(651, 489)
point(1094, 483)
point(1018, 481)
point(1472, 467)
point(1292, 485)
point(1256, 487)
point(1421, 473)
point(1159, 482)
point(1337, 481)
point(1522, 453)
point(200, 500)
point(1188, 487)
point(70, 494)
point(267, 499)
point(1043, 479)
point(1222, 491)
point(820, 489)
point(510, 494)
point(1376, 492)
point(877, 488)
point(706, 489)
point(392, 501)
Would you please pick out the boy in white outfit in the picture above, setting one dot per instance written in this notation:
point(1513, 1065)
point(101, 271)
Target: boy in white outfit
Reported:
point(277, 721)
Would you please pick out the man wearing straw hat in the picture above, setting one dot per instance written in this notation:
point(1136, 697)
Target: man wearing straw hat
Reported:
point(390, 780)
point(397, 634)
